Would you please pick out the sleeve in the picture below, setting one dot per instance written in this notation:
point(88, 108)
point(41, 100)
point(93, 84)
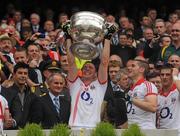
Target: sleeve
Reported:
point(120, 111)
point(37, 111)
point(150, 89)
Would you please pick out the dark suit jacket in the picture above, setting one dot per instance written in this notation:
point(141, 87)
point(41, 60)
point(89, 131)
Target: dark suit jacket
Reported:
point(40, 29)
point(44, 112)
point(20, 112)
point(116, 106)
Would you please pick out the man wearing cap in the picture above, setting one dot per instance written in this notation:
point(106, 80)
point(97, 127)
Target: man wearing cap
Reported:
point(47, 69)
point(6, 46)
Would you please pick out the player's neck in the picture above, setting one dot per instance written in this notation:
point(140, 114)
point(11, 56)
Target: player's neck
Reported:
point(88, 81)
point(167, 88)
point(137, 78)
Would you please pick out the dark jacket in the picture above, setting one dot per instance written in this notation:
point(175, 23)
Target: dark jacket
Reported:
point(20, 112)
point(44, 112)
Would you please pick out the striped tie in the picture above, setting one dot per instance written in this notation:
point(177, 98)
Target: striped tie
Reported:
point(56, 103)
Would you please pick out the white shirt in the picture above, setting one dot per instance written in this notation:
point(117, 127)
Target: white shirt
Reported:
point(52, 97)
point(144, 119)
point(86, 103)
point(169, 109)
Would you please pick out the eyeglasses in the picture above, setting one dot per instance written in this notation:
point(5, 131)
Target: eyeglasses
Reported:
point(175, 30)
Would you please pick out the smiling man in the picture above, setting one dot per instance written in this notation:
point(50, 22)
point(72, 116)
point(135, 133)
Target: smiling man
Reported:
point(19, 95)
point(52, 108)
point(142, 103)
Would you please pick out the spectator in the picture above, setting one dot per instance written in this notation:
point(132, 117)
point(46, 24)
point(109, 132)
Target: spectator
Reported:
point(123, 50)
point(35, 23)
point(173, 17)
point(115, 112)
point(160, 28)
point(174, 60)
point(48, 26)
point(152, 13)
point(145, 22)
point(17, 17)
point(153, 50)
point(174, 47)
point(124, 23)
point(115, 57)
point(19, 96)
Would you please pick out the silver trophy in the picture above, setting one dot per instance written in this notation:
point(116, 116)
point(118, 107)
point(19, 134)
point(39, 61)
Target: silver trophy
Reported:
point(87, 29)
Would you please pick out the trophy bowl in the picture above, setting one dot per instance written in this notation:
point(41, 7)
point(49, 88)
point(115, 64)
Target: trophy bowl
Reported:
point(87, 29)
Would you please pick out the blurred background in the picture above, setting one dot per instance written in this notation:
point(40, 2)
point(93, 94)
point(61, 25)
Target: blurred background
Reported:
point(132, 8)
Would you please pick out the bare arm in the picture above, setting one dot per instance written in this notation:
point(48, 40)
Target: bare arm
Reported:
point(72, 71)
point(103, 67)
point(175, 78)
point(148, 104)
point(9, 122)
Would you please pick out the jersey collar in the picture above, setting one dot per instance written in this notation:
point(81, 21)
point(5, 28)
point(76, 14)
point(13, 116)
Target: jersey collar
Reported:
point(140, 81)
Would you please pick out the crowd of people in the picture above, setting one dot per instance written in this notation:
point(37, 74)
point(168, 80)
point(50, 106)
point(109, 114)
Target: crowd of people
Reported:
point(136, 78)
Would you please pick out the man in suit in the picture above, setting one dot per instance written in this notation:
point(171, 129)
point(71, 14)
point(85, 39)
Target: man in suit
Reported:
point(52, 108)
point(35, 23)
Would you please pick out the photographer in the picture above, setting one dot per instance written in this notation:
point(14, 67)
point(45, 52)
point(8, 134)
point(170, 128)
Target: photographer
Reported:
point(152, 50)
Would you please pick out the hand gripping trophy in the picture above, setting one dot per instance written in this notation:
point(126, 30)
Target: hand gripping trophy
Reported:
point(87, 29)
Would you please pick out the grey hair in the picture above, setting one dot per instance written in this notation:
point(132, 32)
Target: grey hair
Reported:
point(119, 74)
point(51, 77)
point(159, 20)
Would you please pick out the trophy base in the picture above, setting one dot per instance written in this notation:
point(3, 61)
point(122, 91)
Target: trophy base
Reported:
point(84, 50)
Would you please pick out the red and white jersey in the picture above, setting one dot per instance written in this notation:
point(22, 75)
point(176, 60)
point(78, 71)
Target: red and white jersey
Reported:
point(3, 107)
point(86, 103)
point(144, 119)
point(169, 109)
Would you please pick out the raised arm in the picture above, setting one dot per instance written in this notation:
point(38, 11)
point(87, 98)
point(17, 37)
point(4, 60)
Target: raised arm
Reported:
point(72, 71)
point(103, 67)
point(176, 80)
